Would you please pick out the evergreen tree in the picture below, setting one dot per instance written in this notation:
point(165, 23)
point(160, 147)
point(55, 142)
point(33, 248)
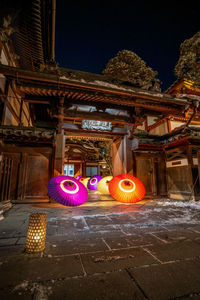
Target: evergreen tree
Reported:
point(128, 66)
point(188, 65)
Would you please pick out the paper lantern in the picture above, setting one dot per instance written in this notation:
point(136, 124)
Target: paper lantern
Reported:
point(102, 185)
point(36, 235)
point(92, 183)
point(126, 188)
point(67, 191)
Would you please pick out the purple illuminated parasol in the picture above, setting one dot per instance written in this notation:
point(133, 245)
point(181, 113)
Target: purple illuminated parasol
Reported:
point(92, 183)
point(67, 190)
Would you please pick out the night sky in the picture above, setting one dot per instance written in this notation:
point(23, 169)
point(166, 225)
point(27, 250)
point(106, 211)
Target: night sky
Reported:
point(88, 34)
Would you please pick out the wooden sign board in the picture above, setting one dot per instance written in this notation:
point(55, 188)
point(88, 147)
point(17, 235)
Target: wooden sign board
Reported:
point(96, 125)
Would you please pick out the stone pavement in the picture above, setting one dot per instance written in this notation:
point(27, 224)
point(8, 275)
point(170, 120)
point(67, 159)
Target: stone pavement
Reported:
point(104, 250)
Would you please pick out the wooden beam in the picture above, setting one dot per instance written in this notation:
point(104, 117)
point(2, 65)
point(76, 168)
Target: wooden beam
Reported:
point(37, 101)
point(152, 101)
point(93, 133)
point(9, 106)
point(20, 112)
point(125, 102)
point(100, 116)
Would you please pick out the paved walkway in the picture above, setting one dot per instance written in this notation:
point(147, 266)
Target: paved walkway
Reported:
point(104, 250)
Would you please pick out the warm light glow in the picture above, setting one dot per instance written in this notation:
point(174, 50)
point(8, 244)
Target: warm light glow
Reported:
point(81, 179)
point(36, 235)
point(92, 183)
point(102, 185)
point(126, 188)
point(68, 190)
point(85, 181)
point(127, 185)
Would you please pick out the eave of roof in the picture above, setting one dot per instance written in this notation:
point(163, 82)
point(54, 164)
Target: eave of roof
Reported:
point(114, 89)
point(183, 82)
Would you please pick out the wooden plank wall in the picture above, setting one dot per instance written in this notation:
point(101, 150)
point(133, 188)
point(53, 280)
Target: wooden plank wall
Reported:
point(150, 168)
point(5, 178)
point(32, 169)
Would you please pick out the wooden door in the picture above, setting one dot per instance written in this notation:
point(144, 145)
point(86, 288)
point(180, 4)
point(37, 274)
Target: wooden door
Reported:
point(36, 177)
point(31, 170)
point(14, 176)
point(145, 171)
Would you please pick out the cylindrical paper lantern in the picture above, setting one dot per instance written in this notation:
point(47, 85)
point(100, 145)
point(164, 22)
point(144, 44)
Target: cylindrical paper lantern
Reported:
point(67, 190)
point(102, 185)
point(126, 188)
point(92, 183)
point(36, 235)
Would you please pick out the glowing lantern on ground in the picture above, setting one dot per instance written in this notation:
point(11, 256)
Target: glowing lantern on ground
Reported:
point(102, 185)
point(36, 235)
point(67, 190)
point(126, 188)
point(92, 183)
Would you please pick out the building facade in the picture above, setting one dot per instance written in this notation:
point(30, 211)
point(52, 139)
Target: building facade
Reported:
point(60, 121)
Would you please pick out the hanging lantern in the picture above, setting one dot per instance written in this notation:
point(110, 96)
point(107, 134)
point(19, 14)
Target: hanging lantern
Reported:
point(102, 185)
point(92, 183)
point(36, 235)
point(67, 190)
point(126, 188)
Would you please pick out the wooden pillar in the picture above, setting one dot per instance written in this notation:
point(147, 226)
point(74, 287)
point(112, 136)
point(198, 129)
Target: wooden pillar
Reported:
point(6, 90)
point(190, 173)
point(84, 169)
point(60, 115)
point(122, 158)
point(117, 157)
point(127, 156)
point(20, 112)
point(59, 154)
point(1, 111)
point(60, 141)
point(198, 157)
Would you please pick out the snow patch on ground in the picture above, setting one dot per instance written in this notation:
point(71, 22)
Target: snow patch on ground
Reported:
point(190, 204)
point(149, 214)
point(38, 291)
point(21, 286)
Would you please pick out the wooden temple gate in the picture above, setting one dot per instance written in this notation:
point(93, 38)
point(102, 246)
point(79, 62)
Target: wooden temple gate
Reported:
point(65, 109)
